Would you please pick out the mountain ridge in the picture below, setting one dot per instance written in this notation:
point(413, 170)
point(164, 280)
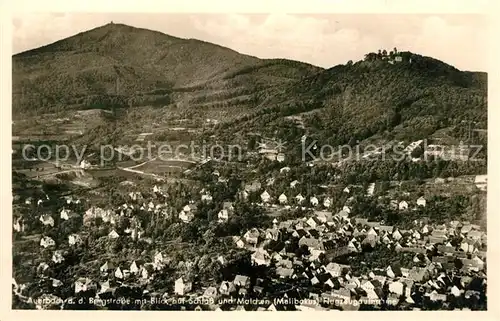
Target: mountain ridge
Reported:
point(145, 60)
point(119, 66)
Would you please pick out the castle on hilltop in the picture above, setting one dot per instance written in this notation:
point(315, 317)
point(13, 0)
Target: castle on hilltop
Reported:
point(392, 57)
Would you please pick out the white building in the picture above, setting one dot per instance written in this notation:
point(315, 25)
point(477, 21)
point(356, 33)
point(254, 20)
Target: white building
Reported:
point(265, 197)
point(47, 241)
point(421, 201)
point(182, 287)
point(113, 235)
point(85, 165)
point(283, 199)
point(481, 182)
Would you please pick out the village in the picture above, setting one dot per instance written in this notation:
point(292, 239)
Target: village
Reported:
point(317, 260)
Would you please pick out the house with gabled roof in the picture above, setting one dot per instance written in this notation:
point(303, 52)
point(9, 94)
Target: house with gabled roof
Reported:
point(370, 240)
point(74, 239)
point(260, 257)
point(467, 246)
point(367, 285)
point(342, 294)
point(42, 268)
point(398, 247)
point(191, 207)
point(314, 201)
point(113, 235)
point(396, 235)
point(265, 197)
point(239, 241)
point(313, 222)
point(386, 239)
point(481, 182)
point(56, 283)
point(118, 273)
point(147, 271)
point(327, 202)
point(284, 272)
point(83, 285)
point(47, 241)
point(323, 216)
point(356, 232)
point(19, 224)
point(182, 287)
point(253, 187)
point(329, 245)
point(299, 198)
point(134, 269)
point(311, 243)
point(58, 257)
point(421, 201)
point(47, 220)
point(107, 266)
point(64, 214)
point(334, 269)
point(186, 217)
point(372, 232)
point(241, 281)
point(252, 236)
point(477, 262)
point(206, 197)
point(390, 273)
point(210, 292)
point(272, 234)
point(227, 288)
point(417, 274)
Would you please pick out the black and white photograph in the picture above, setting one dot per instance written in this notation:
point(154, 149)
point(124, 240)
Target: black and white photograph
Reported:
point(249, 161)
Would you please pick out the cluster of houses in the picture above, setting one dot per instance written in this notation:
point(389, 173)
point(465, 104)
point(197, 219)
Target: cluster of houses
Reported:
point(435, 275)
point(316, 202)
point(448, 261)
point(460, 152)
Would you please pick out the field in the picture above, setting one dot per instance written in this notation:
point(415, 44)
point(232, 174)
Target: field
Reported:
point(169, 167)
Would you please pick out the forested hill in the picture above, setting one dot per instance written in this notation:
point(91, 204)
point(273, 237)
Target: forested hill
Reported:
point(400, 95)
point(123, 66)
point(410, 99)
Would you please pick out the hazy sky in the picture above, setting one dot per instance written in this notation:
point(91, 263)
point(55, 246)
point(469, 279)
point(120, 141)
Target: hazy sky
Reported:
point(320, 39)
